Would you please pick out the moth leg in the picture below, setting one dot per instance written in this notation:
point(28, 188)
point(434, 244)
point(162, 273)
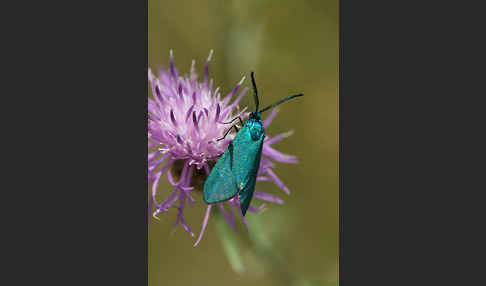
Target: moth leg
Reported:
point(234, 126)
point(229, 122)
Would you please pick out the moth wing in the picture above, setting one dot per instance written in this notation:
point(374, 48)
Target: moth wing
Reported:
point(220, 184)
point(246, 157)
point(247, 154)
point(246, 194)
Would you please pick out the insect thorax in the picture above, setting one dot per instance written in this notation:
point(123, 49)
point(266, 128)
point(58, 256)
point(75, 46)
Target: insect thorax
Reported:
point(255, 125)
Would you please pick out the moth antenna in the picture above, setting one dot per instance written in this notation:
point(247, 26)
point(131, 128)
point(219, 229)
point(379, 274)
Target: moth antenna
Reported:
point(255, 91)
point(280, 101)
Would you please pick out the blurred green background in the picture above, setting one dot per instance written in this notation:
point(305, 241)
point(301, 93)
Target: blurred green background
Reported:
point(293, 48)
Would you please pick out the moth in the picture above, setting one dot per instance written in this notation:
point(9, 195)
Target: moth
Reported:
point(236, 171)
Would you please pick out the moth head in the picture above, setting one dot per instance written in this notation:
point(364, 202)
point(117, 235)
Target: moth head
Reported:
point(255, 115)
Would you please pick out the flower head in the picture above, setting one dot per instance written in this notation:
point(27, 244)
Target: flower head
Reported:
point(184, 122)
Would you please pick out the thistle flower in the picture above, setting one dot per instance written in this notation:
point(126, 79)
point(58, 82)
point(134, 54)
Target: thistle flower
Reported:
point(184, 122)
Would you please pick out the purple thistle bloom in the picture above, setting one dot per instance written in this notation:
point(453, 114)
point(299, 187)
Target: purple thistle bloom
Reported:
point(184, 121)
